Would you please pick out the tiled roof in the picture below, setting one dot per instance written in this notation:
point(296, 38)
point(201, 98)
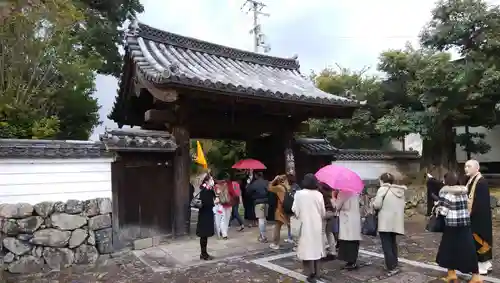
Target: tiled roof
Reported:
point(138, 140)
point(166, 58)
point(316, 146)
point(114, 140)
point(19, 149)
point(313, 146)
point(368, 154)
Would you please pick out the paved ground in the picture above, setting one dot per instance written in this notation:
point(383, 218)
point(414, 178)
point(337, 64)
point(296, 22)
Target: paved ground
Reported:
point(242, 259)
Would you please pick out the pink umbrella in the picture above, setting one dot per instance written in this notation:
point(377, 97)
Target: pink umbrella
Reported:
point(249, 164)
point(340, 178)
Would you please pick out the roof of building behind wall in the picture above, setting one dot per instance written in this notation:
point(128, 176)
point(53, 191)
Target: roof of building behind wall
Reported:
point(166, 58)
point(313, 146)
point(322, 147)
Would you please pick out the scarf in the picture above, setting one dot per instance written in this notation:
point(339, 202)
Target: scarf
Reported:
point(472, 182)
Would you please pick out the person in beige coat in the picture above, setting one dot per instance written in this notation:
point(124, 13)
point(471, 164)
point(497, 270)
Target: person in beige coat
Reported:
point(347, 204)
point(390, 205)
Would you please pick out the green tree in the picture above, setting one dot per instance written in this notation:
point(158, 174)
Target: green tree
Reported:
point(101, 34)
point(439, 94)
point(360, 131)
point(41, 69)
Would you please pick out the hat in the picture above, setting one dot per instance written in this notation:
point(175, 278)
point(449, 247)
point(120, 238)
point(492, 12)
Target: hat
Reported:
point(310, 182)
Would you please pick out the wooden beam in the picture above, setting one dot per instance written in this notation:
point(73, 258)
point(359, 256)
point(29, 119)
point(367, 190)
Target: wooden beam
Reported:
point(220, 124)
point(156, 116)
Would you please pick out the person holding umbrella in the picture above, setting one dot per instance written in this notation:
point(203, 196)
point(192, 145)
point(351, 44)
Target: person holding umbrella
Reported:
point(249, 204)
point(350, 186)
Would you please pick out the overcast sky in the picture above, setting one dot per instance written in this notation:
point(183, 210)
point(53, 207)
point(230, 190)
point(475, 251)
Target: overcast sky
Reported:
point(351, 33)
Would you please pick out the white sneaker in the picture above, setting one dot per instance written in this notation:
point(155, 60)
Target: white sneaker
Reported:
point(483, 268)
point(274, 246)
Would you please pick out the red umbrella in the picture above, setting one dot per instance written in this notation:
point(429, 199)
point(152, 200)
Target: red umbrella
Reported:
point(249, 164)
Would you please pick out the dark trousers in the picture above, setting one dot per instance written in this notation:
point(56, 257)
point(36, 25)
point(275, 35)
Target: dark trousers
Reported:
point(311, 267)
point(235, 214)
point(390, 248)
point(203, 245)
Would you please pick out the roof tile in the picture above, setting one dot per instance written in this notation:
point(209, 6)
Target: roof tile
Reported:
point(162, 57)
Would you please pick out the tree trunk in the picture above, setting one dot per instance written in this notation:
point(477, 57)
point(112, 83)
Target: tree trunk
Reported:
point(467, 148)
point(440, 150)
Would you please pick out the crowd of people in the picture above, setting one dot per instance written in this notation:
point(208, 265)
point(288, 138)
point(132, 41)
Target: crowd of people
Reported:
point(331, 221)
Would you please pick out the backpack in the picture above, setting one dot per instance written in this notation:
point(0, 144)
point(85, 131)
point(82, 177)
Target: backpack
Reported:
point(288, 203)
point(224, 195)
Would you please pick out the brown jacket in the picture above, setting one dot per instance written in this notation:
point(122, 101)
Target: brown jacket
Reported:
point(280, 190)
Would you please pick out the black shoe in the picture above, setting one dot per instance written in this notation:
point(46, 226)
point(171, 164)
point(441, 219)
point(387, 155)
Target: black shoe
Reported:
point(329, 257)
point(351, 266)
point(206, 257)
point(312, 278)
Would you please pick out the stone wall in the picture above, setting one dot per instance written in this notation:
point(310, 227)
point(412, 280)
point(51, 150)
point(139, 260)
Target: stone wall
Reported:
point(54, 235)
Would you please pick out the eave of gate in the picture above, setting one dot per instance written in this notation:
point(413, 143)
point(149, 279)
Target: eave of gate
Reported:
point(135, 140)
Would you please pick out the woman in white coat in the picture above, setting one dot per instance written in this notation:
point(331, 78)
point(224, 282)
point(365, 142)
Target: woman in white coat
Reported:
point(347, 204)
point(309, 208)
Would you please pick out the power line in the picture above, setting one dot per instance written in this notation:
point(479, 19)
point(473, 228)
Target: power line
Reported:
point(260, 39)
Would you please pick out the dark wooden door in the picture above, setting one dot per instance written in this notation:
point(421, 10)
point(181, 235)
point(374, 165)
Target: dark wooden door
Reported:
point(143, 188)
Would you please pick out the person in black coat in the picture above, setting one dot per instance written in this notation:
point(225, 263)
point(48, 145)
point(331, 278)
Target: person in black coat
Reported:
point(191, 196)
point(205, 226)
point(248, 203)
point(480, 215)
point(433, 187)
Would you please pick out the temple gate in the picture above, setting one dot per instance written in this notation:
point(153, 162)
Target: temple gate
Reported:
point(200, 90)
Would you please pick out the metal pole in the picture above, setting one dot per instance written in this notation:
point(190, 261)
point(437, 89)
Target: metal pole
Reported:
point(255, 33)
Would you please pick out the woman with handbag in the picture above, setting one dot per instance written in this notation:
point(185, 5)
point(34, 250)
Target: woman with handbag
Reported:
point(328, 222)
point(389, 204)
point(205, 205)
point(456, 250)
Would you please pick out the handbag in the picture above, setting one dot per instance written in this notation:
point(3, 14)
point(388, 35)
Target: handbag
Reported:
point(335, 224)
point(196, 201)
point(436, 222)
point(370, 225)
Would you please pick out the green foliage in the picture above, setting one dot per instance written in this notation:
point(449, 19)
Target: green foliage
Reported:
point(223, 154)
point(45, 82)
point(433, 93)
point(220, 155)
point(101, 34)
point(360, 131)
point(46, 128)
point(424, 91)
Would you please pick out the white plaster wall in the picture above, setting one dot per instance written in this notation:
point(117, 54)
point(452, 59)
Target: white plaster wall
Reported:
point(412, 142)
point(37, 180)
point(369, 170)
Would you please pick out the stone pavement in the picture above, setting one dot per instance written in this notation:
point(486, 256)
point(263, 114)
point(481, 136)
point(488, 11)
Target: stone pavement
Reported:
point(242, 259)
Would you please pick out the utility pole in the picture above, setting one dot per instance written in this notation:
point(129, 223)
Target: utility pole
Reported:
point(260, 40)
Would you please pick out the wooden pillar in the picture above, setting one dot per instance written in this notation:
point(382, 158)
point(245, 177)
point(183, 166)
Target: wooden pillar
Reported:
point(182, 167)
point(117, 202)
point(289, 156)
